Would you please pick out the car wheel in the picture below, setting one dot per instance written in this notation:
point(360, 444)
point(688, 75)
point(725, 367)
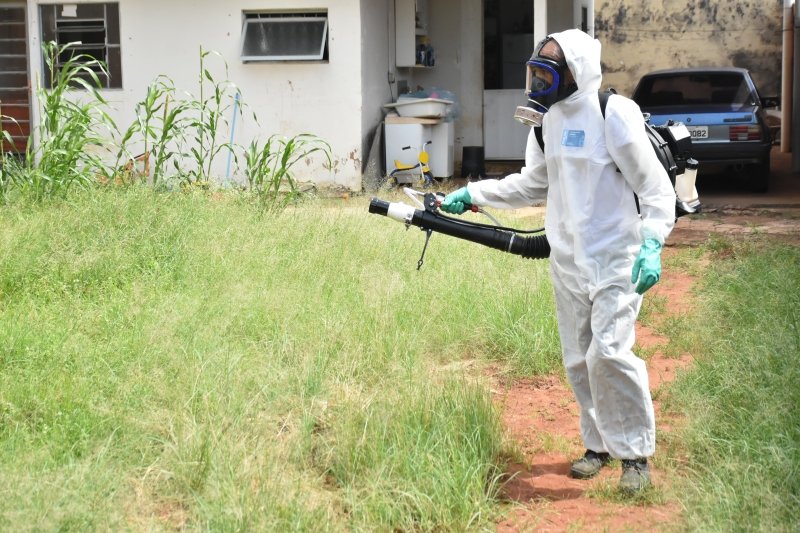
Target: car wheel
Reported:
point(759, 176)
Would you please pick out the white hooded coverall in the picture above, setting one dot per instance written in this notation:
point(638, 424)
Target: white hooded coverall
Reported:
point(588, 176)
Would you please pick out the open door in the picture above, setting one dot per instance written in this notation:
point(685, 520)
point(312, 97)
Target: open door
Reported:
point(508, 41)
point(15, 103)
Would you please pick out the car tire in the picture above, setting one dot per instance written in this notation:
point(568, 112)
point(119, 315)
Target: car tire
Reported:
point(759, 176)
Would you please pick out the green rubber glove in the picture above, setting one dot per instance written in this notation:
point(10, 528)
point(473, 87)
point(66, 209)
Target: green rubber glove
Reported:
point(647, 267)
point(456, 202)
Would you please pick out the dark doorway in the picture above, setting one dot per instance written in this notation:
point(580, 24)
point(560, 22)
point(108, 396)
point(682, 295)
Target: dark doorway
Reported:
point(507, 41)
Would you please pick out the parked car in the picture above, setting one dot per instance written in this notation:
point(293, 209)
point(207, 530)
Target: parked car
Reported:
point(722, 109)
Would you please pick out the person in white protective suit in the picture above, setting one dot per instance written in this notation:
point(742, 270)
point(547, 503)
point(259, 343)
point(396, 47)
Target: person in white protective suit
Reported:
point(605, 250)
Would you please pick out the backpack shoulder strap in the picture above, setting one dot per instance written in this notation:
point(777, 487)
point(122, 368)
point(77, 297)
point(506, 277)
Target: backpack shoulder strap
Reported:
point(537, 131)
point(604, 96)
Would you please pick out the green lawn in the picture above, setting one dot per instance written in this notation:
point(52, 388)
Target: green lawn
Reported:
point(185, 361)
point(173, 360)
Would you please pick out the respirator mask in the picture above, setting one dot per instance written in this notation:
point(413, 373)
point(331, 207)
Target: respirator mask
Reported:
point(547, 81)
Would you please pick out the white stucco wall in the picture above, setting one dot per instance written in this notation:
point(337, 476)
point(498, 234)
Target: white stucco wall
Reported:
point(322, 98)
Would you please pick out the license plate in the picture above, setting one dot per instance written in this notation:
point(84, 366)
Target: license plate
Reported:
point(698, 132)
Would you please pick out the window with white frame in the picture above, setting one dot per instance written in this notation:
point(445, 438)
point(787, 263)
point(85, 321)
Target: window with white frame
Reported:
point(285, 36)
point(95, 29)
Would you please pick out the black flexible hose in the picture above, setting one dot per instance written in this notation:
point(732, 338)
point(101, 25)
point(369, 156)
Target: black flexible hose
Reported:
point(530, 247)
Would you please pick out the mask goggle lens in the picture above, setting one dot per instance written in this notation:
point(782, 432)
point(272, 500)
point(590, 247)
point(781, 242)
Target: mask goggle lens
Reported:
point(541, 79)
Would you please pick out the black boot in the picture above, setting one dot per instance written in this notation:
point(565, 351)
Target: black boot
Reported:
point(635, 475)
point(589, 465)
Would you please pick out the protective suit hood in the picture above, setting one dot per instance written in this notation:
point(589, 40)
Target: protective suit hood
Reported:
point(582, 53)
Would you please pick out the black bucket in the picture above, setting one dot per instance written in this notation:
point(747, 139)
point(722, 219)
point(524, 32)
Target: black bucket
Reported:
point(472, 164)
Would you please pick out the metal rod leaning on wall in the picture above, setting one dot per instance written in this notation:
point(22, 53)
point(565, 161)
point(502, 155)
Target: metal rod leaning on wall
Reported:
point(795, 126)
point(786, 75)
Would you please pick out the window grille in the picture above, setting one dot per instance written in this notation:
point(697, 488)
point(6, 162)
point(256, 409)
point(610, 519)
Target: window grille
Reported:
point(294, 36)
point(95, 27)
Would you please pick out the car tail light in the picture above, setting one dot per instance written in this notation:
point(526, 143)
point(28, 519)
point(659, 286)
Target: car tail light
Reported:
point(745, 133)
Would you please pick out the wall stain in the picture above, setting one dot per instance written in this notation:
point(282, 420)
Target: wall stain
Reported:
point(640, 36)
point(621, 15)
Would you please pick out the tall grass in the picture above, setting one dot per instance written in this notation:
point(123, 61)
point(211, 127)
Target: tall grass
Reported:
point(173, 361)
point(742, 397)
point(426, 466)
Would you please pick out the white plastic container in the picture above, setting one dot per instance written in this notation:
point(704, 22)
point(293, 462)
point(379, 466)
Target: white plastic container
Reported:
point(685, 183)
point(421, 107)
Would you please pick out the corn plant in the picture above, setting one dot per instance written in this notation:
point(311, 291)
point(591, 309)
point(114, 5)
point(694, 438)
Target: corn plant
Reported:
point(210, 110)
point(70, 128)
point(176, 130)
point(160, 119)
point(268, 166)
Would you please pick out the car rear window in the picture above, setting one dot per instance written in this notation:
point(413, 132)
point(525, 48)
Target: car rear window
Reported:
point(694, 89)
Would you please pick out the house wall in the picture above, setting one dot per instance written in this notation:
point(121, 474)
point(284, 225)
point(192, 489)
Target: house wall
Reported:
point(639, 36)
point(341, 100)
point(321, 98)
